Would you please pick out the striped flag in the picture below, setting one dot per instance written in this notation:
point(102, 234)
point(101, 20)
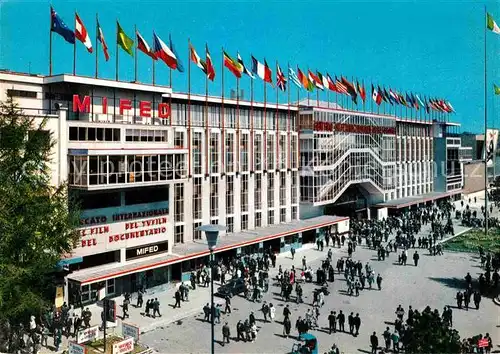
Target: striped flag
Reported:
point(293, 77)
point(81, 33)
point(245, 70)
point(100, 37)
point(280, 78)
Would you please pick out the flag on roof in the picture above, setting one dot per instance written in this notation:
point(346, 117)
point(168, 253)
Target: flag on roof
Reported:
point(262, 70)
point(209, 64)
point(491, 24)
point(163, 52)
point(361, 90)
point(409, 100)
point(57, 25)
point(351, 90)
point(245, 70)
point(180, 67)
point(123, 40)
point(308, 85)
point(420, 101)
point(496, 89)
point(100, 38)
point(402, 100)
point(293, 77)
point(81, 33)
point(450, 106)
point(388, 97)
point(324, 80)
point(331, 84)
point(232, 65)
point(340, 86)
point(414, 101)
point(394, 96)
point(280, 78)
point(376, 96)
point(195, 58)
point(316, 80)
point(144, 47)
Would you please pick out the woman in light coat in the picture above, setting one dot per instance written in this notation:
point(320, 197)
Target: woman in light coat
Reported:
point(272, 312)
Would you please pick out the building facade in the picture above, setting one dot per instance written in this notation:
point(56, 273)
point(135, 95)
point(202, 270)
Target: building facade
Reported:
point(149, 166)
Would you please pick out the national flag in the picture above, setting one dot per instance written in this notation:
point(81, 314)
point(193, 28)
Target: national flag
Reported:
point(245, 70)
point(232, 65)
point(381, 93)
point(331, 84)
point(57, 25)
point(491, 24)
point(180, 67)
point(280, 78)
point(420, 101)
point(123, 40)
point(376, 96)
point(402, 100)
point(394, 96)
point(316, 80)
point(361, 90)
point(293, 77)
point(262, 70)
point(450, 106)
point(209, 64)
point(143, 46)
point(163, 52)
point(351, 90)
point(195, 58)
point(340, 86)
point(427, 106)
point(324, 80)
point(81, 33)
point(415, 102)
point(100, 37)
point(496, 89)
point(308, 85)
point(388, 97)
point(409, 100)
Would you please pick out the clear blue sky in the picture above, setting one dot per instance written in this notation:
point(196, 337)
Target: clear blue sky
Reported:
point(434, 48)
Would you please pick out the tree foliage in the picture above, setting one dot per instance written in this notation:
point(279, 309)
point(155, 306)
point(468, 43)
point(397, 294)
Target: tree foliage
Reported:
point(37, 224)
point(429, 333)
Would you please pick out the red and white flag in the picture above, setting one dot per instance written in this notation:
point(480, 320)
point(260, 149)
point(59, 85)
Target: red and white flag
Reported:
point(82, 34)
point(144, 47)
point(100, 37)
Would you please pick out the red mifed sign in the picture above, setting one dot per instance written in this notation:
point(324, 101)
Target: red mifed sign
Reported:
point(353, 128)
point(145, 107)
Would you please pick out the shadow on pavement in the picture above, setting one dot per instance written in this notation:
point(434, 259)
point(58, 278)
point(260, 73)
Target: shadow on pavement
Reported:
point(455, 283)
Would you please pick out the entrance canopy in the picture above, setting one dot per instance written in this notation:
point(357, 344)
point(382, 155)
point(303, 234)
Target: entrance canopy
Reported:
point(417, 199)
point(186, 251)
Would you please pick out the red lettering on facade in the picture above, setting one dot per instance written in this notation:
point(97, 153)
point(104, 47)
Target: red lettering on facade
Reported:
point(145, 109)
point(163, 110)
point(81, 107)
point(353, 128)
point(104, 105)
point(125, 104)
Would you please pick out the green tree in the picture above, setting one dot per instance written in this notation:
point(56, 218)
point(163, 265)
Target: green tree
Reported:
point(428, 333)
point(37, 222)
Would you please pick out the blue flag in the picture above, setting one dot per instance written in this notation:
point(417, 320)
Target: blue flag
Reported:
point(180, 67)
point(57, 25)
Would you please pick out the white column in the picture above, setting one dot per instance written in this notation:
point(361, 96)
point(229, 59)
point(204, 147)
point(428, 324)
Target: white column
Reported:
point(62, 144)
point(251, 201)
point(237, 202)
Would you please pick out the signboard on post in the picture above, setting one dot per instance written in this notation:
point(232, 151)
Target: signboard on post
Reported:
point(129, 330)
point(87, 334)
point(123, 347)
point(75, 348)
point(483, 343)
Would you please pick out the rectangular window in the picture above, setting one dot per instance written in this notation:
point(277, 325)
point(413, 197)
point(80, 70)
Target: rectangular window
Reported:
point(179, 139)
point(270, 152)
point(270, 190)
point(258, 219)
point(258, 152)
point(258, 191)
point(244, 193)
point(282, 148)
point(294, 187)
point(244, 152)
point(196, 233)
point(197, 153)
point(229, 152)
point(179, 202)
point(197, 198)
point(179, 234)
point(230, 224)
point(270, 217)
point(294, 213)
point(282, 215)
point(21, 93)
point(244, 222)
point(214, 197)
point(282, 188)
point(214, 152)
point(229, 195)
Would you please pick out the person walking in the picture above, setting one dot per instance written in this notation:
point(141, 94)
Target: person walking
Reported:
point(292, 252)
point(374, 342)
point(226, 333)
point(156, 308)
point(416, 257)
point(341, 319)
point(332, 322)
point(140, 299)
point(387, 339)
point(227, 309)
point(272, 312)
point(177, 299)
point(125, 309)
point(357, 324)
point(379, 282)
point(350, 322)
point(287, 326)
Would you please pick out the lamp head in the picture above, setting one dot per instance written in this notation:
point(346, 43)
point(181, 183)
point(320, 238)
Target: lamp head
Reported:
point(211, 234)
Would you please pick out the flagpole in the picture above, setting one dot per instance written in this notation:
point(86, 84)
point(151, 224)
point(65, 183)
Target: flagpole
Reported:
point(50, 46)
point(252, 126)
point(135, 61)
point(207, 134)
point(288, 119)
point(485, 129)
point(74, 54)
point(189, 111)
point(237, 124)
point(276, 128)
point(96, 44)
point(154, 64)
point(222, 115)
point(265, 128)
point(116, 73)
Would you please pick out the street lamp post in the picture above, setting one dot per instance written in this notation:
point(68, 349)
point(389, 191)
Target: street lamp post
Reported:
point(211, 234)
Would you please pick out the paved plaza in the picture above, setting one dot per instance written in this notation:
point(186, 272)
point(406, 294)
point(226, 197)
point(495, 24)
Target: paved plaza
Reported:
point(434, 282)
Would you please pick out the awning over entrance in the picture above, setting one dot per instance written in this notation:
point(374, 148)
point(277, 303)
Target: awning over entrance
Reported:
point(187, 251)
point(422, 198)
